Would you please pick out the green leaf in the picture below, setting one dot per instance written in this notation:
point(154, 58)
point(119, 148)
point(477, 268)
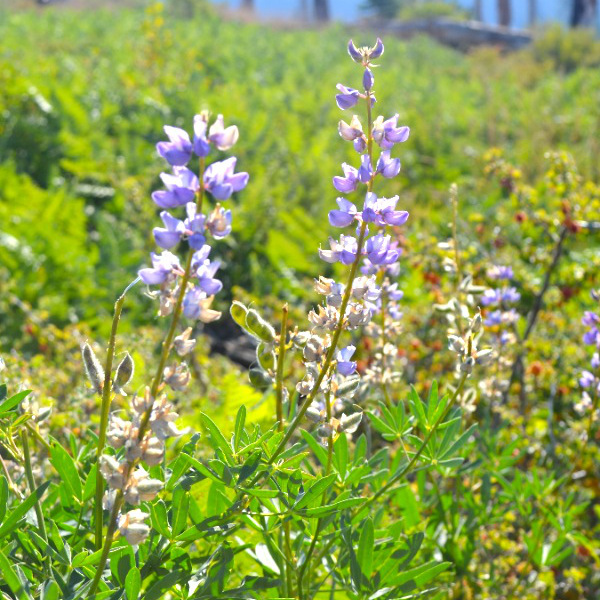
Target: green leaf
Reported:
point(315, 490)
point(3, 496)
point(250, 466)
point(340, 453)
point(240, 421)
point(366, 545)
point(164, 584)
point(14, 518)
point(329, 509)
point(420, 575)
point(318, 450)
point(159, 520)
point(65, 466)
point(50, 591)
point(13, 401)
point(215, 434)
point(180, 506)
point(90, 484)
point(133, 584)
point(11, 578)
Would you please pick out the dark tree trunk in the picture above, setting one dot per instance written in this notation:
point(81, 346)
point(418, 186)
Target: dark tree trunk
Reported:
point(504, 12)
point(248, 5)
point(478, 14)
point(532, 12)
point(322, 10)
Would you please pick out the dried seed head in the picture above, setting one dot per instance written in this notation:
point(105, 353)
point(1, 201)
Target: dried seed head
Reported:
point(132, 526)
point(93, 368)
point(123, 374)
point(177, 376)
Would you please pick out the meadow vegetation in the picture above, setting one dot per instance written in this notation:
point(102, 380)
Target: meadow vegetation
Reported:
point(487, 489)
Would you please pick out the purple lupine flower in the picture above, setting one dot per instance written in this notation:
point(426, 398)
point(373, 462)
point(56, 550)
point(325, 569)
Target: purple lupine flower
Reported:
point(377, 50)
point(354, 52)
point(345, 215)
point(204, 271)
point(172, 232)
point(387, 166)
point(368, 79)
point(365, 173)
point(387, 133)
point(595, 360)
point(181, 186)
point(345, 366)
point(201, 143)
point(192, 302)
point(350, 132)
point(347, 98)
point(394, 293)
point(194, 225)
point(221, 181)
point(493, 318)
point(381, 211)
point(500, 272)
point(590, 319)
point(510, 295)
point(219, 222)
point(379, 251)
point(360, 144)
point(163, 265)
point(348, 183)
point(587, 379)
point(178, 150)
point(223, 137)
point(491, 297)
point(343, 251)
point(592, 337)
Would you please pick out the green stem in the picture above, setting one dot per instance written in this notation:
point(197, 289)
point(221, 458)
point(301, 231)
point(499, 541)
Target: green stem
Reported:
point(329, 357)
point(280, 360)
point(313, 543)
point(31, 483)
point(346, 298)
point(145, 420)
point(104, 412)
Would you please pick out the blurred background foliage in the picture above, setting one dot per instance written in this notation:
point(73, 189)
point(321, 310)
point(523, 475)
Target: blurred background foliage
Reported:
point(85, 95)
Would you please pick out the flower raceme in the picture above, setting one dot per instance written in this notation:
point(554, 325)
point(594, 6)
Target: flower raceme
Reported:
point(186, 189)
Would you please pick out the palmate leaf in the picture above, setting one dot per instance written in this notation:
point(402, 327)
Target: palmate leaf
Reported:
point(15, 581)
point(12, 402)
point(69, 475)
point(366, 544)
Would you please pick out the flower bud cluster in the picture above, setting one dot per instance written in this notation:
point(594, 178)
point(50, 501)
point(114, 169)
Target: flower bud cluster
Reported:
point(465, 346)
point(185, 189)
point(135, 443)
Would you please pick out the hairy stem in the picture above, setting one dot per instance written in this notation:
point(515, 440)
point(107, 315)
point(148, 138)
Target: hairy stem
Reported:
point(31, 483)
point(104, 412)
point(145, 420)
point(280, 360)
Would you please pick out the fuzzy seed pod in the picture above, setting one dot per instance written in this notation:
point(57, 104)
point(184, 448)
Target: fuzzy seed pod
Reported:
point(238, 313)
point(350, 423)
point(347, 388)
point(266, 357)
point(123, 374)
point(259, 379)
point(93, 368)
point(259, 327)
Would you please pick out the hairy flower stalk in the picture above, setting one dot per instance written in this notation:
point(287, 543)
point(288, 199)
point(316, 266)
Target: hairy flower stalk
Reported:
point(184, 291)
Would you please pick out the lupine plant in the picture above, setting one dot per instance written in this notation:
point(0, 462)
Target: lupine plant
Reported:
point(357, 484)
